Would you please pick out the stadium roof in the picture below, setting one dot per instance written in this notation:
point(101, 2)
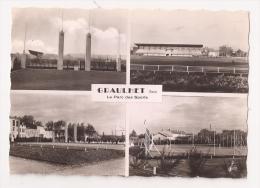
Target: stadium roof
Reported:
point(170, 45)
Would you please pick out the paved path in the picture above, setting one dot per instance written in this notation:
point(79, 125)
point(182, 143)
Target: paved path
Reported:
point(113, 167)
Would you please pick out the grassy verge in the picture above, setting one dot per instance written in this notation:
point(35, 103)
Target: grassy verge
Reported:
point(63, 155)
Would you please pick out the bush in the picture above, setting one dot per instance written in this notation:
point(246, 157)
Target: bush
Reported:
point(196, 162)
point(167, 163)
point(235, 168)
point(33, 139)
point(179, 81)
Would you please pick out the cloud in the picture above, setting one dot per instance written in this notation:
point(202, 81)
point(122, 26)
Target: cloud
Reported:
point(190, 114)
point(70, 26)
point(37, 45)
point(104, 42)
point(179, 28)
point(70, 108)
point(110, 33)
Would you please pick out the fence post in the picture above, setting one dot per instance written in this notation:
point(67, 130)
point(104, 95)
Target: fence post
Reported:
point(218, 69)
point(187, 68)
point(143, 67)
point(154, 170)
point(158, 67)
point(234, 70)
point(172, 68)
point(202, 69)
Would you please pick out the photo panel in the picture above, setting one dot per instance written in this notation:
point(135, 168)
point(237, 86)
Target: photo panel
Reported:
point(67, 49)
point(190, 50)
point(64, 134)
point(189, 137)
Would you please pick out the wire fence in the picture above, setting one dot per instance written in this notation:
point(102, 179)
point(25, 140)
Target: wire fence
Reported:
point(96, 64)
point(188, 69)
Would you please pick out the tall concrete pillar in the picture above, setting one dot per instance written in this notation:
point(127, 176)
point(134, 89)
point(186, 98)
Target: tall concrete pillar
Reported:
point(53, 136)
point(66, 132)
point(118, 64)
point(75, 133)
point(118, 59)
point(61, 51)
point(23, 61)
point(88, 53)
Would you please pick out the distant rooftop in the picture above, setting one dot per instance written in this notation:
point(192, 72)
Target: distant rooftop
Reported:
point(170, 45)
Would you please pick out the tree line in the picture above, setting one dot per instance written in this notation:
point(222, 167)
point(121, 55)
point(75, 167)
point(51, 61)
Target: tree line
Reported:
point(226, 138)
point(85, 132)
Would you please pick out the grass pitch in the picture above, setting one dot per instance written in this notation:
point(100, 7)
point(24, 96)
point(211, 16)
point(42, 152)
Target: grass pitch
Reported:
point(64, 155)
point(190, 61)
point(39, 79)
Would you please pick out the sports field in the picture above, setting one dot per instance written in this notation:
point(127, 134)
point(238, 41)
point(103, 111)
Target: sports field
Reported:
point(39, 79)
point(190, 61)
point(189, 161)
point(179, 149)
point(67, 154)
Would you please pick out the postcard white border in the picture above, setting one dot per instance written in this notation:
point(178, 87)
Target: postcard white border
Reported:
point(51, 181)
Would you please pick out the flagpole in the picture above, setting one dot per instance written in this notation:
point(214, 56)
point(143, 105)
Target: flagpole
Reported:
point(25, 35)
point(214, 142)
point(234, 143)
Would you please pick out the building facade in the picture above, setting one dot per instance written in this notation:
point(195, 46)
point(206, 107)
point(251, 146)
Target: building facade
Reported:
point(19, 130)
point(186, 50)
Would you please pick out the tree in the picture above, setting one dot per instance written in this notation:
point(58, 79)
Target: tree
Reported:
point(49, 126)
point(58, 128)
point(225, 51)
point(81, 131)
point(71, 131)
point(206, 135)
point(38, 123)
point(133, 133)
point(28, 121)
point(90, 130)
point(58, 125)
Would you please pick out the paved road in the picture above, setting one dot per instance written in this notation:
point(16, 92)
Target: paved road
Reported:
point(113, 167)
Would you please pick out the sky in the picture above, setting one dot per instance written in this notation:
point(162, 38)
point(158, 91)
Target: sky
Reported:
point(190, 114)
point(43, 26)
point(105, 117)
point(210, 28)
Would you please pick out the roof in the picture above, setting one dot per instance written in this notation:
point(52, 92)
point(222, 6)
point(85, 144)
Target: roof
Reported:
point(170, 45)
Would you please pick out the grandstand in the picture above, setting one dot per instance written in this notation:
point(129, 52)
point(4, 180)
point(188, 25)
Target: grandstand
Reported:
point(188, 70)
point(186, 50)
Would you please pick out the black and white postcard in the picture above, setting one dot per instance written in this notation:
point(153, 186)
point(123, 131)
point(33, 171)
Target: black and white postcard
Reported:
point(129, 93)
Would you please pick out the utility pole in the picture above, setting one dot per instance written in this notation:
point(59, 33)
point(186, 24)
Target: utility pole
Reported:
point(24, 41)
point(234, 143)
point(214, 142)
